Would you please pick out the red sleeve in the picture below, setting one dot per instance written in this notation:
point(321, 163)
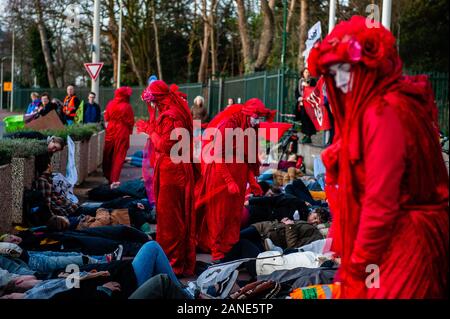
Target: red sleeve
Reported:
point(129, 118)
point(384, 160)
point(106, 114)
point(161, 136)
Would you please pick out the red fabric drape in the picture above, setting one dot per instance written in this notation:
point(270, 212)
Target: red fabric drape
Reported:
point(173, 183)
point(219, 214)
point(120, 118)
point(386, 181)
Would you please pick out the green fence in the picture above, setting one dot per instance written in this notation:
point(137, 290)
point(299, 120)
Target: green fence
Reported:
point(274, 88)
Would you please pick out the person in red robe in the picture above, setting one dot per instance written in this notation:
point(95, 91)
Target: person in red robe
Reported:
point(120, 118)
point(386, 180)
point(173, 183)
point(223, 185)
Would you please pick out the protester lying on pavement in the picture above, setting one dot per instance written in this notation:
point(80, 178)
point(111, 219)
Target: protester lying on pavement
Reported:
point(269, 235)
point(48, 261)
point(118, 279)
point(91, 241)
point(134, 188)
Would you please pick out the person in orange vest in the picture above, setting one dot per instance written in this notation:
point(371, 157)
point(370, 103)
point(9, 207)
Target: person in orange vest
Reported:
point(70, 105)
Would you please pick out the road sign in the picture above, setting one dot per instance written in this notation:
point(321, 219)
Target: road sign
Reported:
point(93, 69)
point(7, 86)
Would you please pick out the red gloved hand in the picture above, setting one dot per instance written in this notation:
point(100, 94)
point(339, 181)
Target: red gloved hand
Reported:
point(233, 188)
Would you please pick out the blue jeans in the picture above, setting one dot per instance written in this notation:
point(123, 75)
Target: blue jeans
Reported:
point(48, 261)
point(151, 261)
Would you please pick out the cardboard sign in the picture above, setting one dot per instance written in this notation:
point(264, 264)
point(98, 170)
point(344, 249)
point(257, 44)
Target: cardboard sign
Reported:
point(50, 121)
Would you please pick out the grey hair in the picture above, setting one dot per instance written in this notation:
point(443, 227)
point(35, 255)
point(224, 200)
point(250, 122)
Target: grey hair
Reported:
point(199, 97)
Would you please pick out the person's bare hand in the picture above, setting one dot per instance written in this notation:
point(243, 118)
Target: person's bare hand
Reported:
point(114, 185)
point(287, 221)
point(112, 285)
point(20, 279)
point(140, 206)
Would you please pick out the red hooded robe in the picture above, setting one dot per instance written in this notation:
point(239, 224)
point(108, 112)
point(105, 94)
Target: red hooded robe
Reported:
point(120, 117)
point(173, 183)
point(386, 181)
point(219, 215)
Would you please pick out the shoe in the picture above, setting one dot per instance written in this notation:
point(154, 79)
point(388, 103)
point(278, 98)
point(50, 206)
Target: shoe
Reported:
point(269, 246)
point(116, 255)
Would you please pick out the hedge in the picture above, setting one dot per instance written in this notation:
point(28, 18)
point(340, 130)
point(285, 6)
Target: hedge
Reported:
point(20, 147)
point(78, 132)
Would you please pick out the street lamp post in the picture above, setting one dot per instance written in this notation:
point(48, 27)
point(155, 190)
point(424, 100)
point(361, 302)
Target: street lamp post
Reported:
point(332, 16)
point(12, 72)
point(119, 53)
point(1, 81)
point(95, 84)
point(386, 17)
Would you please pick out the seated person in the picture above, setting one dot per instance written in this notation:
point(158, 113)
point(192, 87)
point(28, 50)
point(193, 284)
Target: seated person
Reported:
point(54, 208)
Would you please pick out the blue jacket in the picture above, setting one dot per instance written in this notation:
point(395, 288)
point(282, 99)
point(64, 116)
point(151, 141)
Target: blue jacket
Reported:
point(91, 113)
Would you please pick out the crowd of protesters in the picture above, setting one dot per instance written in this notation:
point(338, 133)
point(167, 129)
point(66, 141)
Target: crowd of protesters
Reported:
point(382, 201)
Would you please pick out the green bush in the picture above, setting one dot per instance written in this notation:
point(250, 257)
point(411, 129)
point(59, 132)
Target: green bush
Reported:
point(77, 132)
point(20, 147)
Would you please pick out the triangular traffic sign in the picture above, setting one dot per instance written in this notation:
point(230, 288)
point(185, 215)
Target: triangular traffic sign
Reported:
point(93, 69)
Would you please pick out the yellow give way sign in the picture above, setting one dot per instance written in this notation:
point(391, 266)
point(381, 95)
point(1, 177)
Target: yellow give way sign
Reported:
point(7, 86)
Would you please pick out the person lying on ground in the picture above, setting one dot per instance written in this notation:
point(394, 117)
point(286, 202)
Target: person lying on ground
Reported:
point(90, 241)
point(275, 205)
point(135, 159)
point(120, 278)
point(264, 236)
point(134, 188)
point(54, 143)
point(48, 261)
point(141, 211)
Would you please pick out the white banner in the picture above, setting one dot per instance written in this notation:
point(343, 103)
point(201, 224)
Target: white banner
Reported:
point(314, 35)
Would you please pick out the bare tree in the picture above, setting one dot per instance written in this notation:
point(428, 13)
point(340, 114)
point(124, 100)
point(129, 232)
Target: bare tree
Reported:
point(204, 45)
point(256, 59)
point(303, 33)
point(212, 26)
point(45, 45)
point(292, 6)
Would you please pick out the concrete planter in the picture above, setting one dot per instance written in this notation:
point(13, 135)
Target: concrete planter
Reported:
point(81, 160)
point(59, 161)
point(101, 145)
point(93, 153)
point(5, 199)
point(22, 176)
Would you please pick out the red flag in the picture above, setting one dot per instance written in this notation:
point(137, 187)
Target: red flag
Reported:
point(280, 127)
point(313, 101)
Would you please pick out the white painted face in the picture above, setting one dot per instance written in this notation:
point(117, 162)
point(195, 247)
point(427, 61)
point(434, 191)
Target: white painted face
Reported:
point(342, 76)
